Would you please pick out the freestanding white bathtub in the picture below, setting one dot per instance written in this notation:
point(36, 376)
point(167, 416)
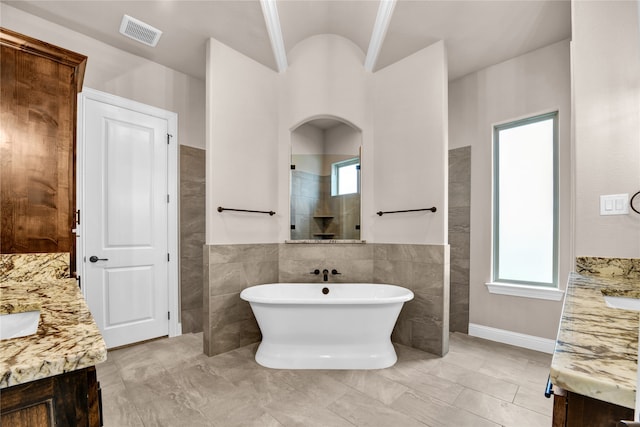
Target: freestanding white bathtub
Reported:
point(326, 325)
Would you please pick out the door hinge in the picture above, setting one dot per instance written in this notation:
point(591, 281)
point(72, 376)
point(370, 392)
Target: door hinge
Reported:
point(78, 217)
point(168, 315)
point(168, 257)
point(79, 279)
point(167, 198)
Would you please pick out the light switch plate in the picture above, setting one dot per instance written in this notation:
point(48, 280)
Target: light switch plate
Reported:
point(614, 204)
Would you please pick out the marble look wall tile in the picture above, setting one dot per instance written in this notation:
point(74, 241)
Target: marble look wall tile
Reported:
point(460, 243)
point(459, 219)
point(190, 287)
point(353, 261)
point(221, 254)
point(226, 278)
point(459, 194)
point(231, 268)
point(191, 244)
point(301, 252)
point(192, 236)
point(459, 234)
point(429, 336)
point(416, 253)
point(228, 320)
point(460, 165)
point(424, 270)
point(459, 270)
point(227, 309)
point(191, 320)
point(34, 267)
point(423, 307)
point(231, 324)
point(608, 267)
point(297, 271)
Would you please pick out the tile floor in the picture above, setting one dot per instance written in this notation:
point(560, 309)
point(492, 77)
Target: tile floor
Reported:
point(169, 382)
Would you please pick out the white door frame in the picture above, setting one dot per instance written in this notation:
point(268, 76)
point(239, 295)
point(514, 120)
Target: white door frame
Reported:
point(175, 326)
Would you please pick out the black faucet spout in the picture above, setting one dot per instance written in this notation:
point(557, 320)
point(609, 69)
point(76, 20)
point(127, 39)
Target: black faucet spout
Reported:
point(325, 274)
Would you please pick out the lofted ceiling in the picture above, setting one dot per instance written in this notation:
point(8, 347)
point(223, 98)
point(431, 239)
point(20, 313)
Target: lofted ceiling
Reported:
point(477, 33)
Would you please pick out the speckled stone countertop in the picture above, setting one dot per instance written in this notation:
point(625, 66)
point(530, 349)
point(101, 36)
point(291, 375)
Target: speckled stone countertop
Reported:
point(597, 347)
point(67, 339)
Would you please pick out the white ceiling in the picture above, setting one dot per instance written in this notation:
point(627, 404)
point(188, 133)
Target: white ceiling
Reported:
point(477, 33)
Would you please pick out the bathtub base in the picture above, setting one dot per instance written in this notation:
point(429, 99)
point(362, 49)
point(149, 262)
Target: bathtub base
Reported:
point(282, 356)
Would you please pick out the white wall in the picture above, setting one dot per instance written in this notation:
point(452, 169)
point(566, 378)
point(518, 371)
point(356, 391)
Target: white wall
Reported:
point(242, 148)
point(606, 78)
point(120, 73)
point(325, 78)
point(342, 140)
point(533, 83)
point(411, 148)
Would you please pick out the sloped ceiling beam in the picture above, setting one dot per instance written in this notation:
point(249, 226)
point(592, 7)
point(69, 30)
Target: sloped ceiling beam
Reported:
point(270, 12)
point(385, 11)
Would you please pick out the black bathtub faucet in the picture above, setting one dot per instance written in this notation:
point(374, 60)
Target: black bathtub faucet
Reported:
point(325, 273)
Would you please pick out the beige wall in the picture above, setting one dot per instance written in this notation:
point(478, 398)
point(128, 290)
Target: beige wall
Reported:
point(242, 155)
point(404, 157)
point(606, 81)
point(411, 149)
point(120, 73)
point(524, 86)
point(325, 78)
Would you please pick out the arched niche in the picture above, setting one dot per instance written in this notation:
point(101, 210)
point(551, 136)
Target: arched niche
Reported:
point(325, 184)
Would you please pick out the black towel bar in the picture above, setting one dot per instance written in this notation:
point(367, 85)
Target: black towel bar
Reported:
point(433, 209)
point(221, 209)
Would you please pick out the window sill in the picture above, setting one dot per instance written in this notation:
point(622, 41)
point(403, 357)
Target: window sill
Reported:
point(537, 292)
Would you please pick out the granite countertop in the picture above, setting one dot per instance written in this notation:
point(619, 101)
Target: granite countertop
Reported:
point(597, 346)
point(67, 339)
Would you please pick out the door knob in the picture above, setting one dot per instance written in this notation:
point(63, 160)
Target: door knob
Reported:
point(94, 258)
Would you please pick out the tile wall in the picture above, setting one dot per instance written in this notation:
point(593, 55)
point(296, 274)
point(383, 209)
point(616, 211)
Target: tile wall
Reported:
point(423, 322)
point(459, 234)
point(306, 197)
point(353, 261)
point(314, 210)
point(192, 232)
point(227, 320)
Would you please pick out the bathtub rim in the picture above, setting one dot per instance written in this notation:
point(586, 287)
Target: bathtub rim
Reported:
point(406, 295)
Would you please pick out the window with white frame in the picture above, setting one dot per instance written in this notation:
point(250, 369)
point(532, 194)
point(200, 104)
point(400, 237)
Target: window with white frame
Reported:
point(525, 196)
point(345, 177)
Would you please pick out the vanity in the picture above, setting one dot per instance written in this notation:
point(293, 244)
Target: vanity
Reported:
point(594, 366)
point(48, 378)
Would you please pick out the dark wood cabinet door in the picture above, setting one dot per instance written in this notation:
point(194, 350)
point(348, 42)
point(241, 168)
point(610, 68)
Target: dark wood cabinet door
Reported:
point(69, 399)
point(583, 411)
point(37, 144)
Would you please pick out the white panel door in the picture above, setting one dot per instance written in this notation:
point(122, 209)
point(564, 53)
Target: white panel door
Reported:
point(125, 222)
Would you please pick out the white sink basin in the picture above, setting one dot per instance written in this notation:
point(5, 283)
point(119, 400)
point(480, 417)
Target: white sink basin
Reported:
point(17, 325)
point(623, 302)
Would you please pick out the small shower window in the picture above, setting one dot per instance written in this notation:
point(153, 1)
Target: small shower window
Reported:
point(345, 177)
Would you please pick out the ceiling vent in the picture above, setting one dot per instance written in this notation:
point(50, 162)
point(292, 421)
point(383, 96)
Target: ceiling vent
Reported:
point(139, 31)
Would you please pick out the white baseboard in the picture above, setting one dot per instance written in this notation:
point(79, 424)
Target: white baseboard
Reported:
point(531, 342)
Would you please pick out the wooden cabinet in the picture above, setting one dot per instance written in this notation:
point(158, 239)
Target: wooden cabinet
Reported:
point(38, 96)
point(576, 410)
point(70, 399)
